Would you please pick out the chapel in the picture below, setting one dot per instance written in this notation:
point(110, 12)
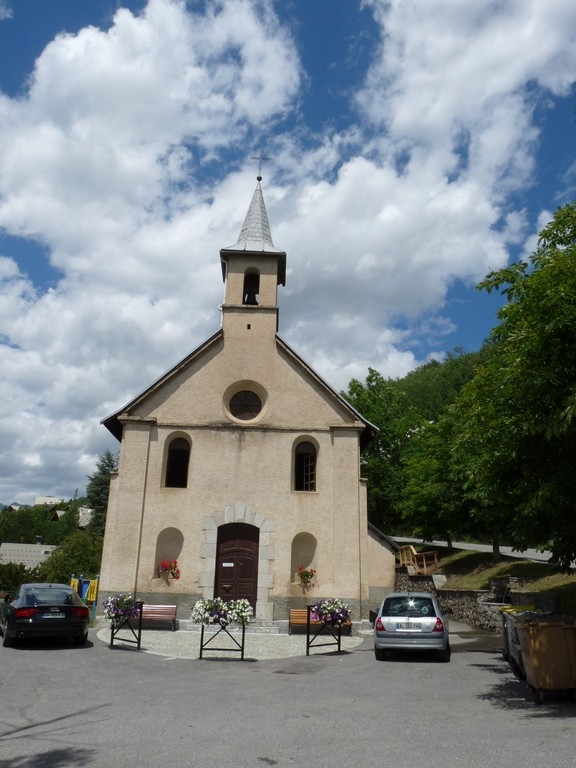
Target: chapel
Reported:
point(243, 465)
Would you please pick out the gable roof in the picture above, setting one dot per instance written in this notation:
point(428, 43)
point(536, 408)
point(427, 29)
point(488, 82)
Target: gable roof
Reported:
point(113, 424)
point(382, 537)
point(369, 429)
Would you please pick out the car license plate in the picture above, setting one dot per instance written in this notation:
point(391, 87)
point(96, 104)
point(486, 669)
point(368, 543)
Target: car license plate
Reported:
point(412, 625)
point(53, 615)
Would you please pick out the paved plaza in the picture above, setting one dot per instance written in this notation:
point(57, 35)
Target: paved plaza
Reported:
point(185, 643)
point(66, 706)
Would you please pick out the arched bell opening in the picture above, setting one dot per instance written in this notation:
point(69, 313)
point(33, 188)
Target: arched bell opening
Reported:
point(251, 289)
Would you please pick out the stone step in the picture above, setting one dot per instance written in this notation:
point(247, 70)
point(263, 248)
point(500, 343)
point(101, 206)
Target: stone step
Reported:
point(270, 628)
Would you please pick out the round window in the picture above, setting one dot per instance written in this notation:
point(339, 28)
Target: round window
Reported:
point(245, 405)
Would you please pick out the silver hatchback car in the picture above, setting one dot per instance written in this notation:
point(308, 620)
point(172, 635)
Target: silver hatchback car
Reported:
point(411, 621)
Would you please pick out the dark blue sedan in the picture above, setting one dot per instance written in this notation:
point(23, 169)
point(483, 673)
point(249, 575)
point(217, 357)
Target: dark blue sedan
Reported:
point(44, 610)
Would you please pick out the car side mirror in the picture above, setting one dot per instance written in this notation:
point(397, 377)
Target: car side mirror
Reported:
point(8, 598)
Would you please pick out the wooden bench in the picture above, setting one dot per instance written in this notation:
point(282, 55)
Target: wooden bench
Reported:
point(298, 620)
point(160, 614)
point(422, 562)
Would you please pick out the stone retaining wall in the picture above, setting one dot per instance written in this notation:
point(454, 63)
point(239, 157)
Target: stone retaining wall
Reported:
point(476, 607)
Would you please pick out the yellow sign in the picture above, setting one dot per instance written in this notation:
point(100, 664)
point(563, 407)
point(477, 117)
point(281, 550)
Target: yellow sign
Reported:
point(92, 593)
point(74, 584)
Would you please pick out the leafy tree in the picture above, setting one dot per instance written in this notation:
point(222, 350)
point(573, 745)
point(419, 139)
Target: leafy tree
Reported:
point(518, 439)
point(385, 407)
point(98, 489)
point(14, 574)
point(481, 460)
point(401, 409)
point(25, 524)
point(434, 386)
point(434, 504)
point(67, 523)
point(80, 554)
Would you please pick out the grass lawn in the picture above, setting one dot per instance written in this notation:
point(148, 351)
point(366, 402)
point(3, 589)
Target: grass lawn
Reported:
point(473, 570)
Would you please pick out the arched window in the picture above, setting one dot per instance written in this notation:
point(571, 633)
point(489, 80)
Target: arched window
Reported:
point(177, 463)
point(305, 467)
point(251, 288)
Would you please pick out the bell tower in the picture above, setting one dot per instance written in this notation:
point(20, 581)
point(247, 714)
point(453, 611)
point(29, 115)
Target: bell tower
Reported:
point(252, 270)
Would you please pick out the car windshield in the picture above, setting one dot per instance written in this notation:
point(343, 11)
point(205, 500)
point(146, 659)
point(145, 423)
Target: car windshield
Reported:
point(408, 606)
point(47, 595)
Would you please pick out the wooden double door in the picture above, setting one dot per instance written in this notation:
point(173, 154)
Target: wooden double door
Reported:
point(237, 562)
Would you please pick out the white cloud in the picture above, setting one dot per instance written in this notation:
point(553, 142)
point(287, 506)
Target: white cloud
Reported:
point(104, 163)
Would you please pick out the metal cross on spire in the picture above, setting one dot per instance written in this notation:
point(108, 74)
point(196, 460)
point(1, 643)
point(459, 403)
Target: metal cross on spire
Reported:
point(261, 157)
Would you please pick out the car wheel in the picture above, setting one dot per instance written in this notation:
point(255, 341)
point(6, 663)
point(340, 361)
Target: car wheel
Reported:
point(81, 640)
point(380, 654)
point(7, 641)
point(445, 654)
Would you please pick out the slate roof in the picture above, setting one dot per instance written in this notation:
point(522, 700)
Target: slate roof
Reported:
point(255, 235)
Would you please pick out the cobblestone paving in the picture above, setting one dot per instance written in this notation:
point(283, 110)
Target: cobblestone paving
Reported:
point(185, 644)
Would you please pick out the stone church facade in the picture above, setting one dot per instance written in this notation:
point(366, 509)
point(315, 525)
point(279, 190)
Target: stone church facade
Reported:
point(242, 464)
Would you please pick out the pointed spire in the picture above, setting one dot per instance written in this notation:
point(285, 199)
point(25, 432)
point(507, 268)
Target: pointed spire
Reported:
point(255, 234)
point(255, 238)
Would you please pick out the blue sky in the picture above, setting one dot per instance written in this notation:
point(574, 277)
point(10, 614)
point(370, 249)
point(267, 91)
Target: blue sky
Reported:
point(413, 147)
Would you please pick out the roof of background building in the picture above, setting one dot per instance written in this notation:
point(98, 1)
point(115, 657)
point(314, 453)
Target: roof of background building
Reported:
point(30, 555)
point(48, 500)
point(84, 515)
